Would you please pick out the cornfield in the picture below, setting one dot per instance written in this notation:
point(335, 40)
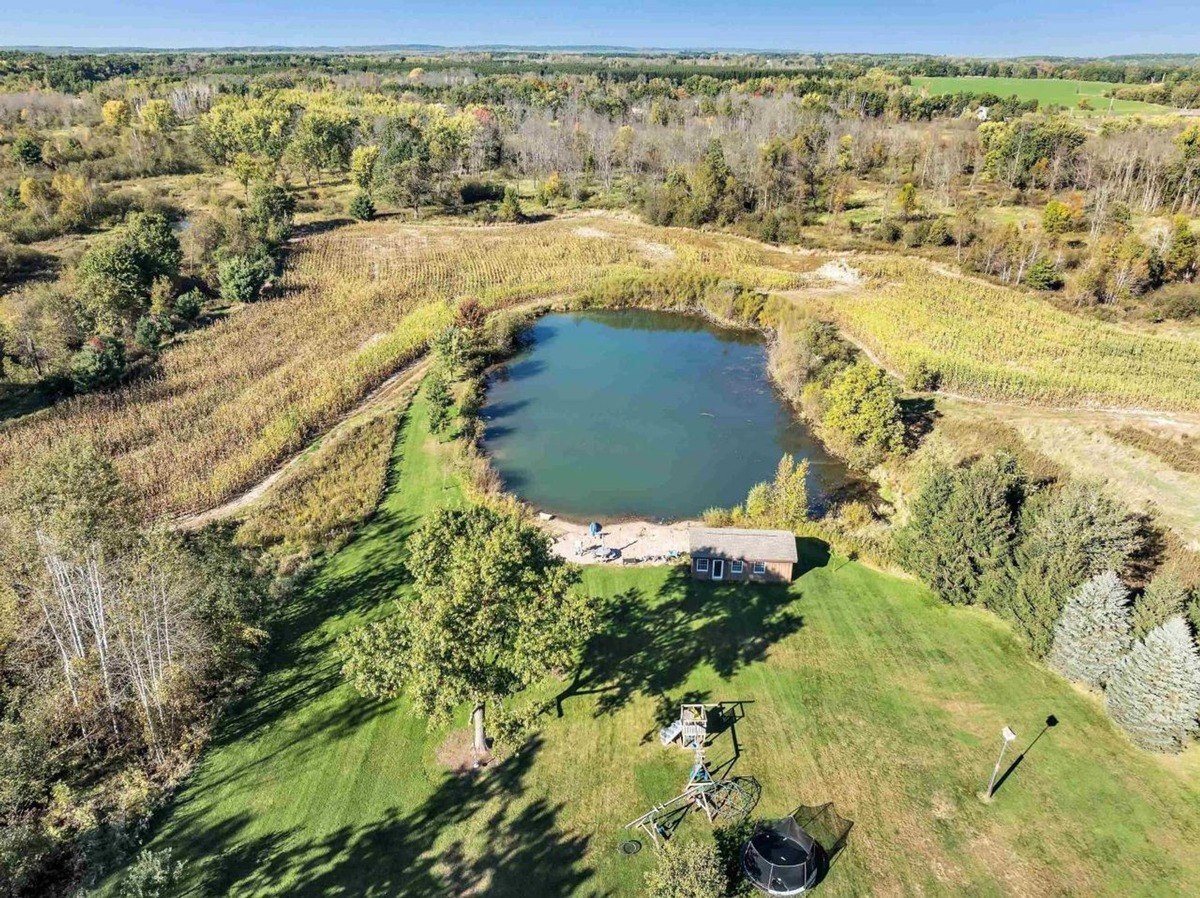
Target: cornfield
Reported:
point(231, 401)
point(996, 343)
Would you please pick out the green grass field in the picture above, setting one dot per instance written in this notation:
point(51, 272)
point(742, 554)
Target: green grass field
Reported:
point(1044, 90)
point(860, 689)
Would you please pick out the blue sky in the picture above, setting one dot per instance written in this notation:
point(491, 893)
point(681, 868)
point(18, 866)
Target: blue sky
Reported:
point(968, 27)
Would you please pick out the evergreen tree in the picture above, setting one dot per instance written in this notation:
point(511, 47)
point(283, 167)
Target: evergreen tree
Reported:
point(1093, 632)
point(961, 527)
point(510, 207)
point(1165, 597)
point(440, 400)
point(1067, 536)
point(362, 206)
point(1154, 694)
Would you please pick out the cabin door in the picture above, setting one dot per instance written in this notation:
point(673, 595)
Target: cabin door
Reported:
point(718, 569)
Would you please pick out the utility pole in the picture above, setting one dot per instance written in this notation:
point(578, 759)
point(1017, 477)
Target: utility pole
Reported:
point(1009, 736)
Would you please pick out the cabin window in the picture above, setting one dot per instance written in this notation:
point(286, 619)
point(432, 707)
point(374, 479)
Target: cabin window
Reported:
point(760, 567)
point(735, 567)
point(702, 565)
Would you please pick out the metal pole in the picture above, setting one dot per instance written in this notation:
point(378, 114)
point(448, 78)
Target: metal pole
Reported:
point(1009, 736)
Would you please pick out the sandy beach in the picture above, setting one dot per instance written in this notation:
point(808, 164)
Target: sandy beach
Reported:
point(635, 542)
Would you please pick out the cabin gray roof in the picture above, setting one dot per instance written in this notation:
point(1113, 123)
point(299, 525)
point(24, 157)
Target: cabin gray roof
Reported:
point(739, 544)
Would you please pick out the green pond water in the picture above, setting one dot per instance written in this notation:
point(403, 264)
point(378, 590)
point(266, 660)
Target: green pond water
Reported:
point(621, 414)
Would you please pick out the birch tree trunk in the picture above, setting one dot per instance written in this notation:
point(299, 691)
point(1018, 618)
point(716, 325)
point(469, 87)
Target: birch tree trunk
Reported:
point(480, 738)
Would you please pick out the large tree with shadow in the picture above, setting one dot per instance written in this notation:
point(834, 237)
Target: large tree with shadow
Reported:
point(494, 611)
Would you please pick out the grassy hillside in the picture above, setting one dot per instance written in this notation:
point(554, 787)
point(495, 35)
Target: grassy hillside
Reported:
point(1044, 90)
point(860, 689)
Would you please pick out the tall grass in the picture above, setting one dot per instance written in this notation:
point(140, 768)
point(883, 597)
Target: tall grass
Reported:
point(230, 402)
point(330, 493)
point(996, 343)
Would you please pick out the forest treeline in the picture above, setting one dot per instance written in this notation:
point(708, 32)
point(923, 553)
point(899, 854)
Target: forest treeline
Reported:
point(775, 158)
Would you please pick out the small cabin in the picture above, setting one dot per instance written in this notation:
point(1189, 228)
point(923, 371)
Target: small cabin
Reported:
point(735, 553)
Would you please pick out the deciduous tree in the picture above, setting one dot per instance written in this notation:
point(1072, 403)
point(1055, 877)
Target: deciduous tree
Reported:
point(493, 610)
point(863, 410)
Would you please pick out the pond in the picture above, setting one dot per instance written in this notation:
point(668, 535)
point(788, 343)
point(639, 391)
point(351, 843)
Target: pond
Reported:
point(637, 414)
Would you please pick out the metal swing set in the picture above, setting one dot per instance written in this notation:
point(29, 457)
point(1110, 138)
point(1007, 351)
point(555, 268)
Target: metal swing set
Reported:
point(719, 799)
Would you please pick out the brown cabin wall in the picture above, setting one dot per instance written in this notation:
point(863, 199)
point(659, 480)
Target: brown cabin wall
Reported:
point(777, 572)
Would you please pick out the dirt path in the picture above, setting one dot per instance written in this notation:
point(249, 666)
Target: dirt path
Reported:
point(397, 387)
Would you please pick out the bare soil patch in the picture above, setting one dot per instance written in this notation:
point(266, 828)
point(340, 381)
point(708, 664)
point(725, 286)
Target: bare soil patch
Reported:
point(457, 755)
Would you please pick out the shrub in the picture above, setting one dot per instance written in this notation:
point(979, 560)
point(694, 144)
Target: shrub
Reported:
point(100, 363)
point(1176, 301)
point(939, 233)
point(863, 410)
point(687, 870)
point(242, 277)
point(152, 875)
point(915, 234)
point(923, 377)
point(362, 207)
point(1154, 694)
point(1093, 633)
point(471, 192)
point(887, 231)
point(552, 188)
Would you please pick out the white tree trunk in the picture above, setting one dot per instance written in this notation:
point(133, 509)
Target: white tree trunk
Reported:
point(480, 739)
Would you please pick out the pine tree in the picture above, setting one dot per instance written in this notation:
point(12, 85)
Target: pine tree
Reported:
point(440, 400)
point(1093, 632)
point(1154, 694)
point(1165, 597)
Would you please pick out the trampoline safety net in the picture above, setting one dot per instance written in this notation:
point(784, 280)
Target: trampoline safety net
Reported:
point(790, 856)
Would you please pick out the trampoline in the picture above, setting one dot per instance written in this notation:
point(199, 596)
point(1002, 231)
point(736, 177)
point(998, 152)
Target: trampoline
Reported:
point(782, 859)
point(790, 856)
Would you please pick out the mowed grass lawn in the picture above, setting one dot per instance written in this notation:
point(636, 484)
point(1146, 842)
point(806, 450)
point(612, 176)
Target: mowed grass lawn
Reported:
point(1044, 90)
point(860, 689)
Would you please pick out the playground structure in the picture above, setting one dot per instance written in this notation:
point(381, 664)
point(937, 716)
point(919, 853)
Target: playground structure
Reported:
point(719, 797)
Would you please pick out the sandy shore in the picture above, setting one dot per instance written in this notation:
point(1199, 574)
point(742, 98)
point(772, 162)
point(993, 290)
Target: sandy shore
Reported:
point(636, 542)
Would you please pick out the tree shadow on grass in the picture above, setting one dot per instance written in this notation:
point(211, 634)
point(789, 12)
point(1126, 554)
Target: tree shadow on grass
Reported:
point(300, 665)
point(918, 414)
point(650, 645)
point(401, 853)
